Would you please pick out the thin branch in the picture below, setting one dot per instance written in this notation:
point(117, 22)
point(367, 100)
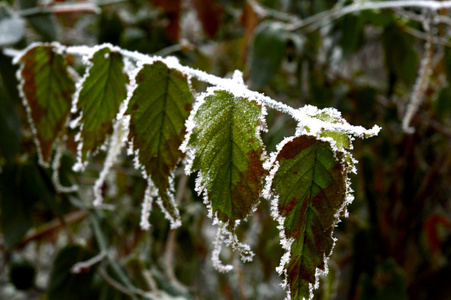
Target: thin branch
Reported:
point(53, 226)
point(113, 283)
point(170, 242)
point(68, 8)
point(425, 36)
point(336, 13)
point(420, 86)
point(83, 265)
point(235, 86)
point(62, 8)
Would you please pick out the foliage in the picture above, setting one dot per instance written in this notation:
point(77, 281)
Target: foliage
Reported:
point(96, 134)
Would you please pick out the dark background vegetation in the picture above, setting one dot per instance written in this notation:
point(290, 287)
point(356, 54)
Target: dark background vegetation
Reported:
point(396, 242)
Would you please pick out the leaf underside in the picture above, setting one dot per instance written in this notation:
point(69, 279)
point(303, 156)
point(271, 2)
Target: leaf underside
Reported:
point(228, 154)
point(101, 95)
point(310, 183)
point(159, 107)
point(48, 90)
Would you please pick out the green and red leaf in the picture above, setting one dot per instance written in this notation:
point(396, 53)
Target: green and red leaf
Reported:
point(158, 108)
point(102, 92)
point(310, 184)
point(47, 88)
point(227, 150)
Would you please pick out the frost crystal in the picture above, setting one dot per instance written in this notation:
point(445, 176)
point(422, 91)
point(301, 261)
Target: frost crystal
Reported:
point(147, 205)
point(117, 140)
point(55, 175)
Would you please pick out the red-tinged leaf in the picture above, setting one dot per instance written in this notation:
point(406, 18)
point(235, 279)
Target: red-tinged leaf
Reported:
point(249, 21)
point(227, 152)
point(158, 109)
point(310, 184)
point(48, 89)
point(209, 13)
point(101, 95)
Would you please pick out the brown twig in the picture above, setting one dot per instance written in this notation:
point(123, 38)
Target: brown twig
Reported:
point(53, 226)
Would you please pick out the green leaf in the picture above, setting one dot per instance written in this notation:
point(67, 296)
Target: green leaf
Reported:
point(267, 52)
point(228, 151)
point(311, 186)
point(47, 88)
point(100, 97)
point(63, 284)
point(158, 108)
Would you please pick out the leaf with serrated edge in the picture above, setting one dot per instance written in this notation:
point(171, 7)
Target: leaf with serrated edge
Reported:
point(47, 89)
point(100, 97)
point(158, 108)
point(310, 187)
point(227, 150)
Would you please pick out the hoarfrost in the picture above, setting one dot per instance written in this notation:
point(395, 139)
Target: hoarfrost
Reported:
point(174, 222)
point(216, 260)
point(117, 139)
point(147, 205)
point(55, 166)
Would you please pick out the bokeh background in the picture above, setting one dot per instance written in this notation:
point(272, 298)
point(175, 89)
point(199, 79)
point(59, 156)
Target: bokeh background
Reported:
point(396, 242)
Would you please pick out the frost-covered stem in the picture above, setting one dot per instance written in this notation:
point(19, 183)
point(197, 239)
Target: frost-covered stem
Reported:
point(62, 8)
point(234, 86)
point(81, 266)
point(103, 245)
point(56, 166)
point(264, 11)
point(337, 13)
point(147, 206)
point(170, 242)
point(120, 131)
point(420, 86)
point(216, 260)
point(67, 8)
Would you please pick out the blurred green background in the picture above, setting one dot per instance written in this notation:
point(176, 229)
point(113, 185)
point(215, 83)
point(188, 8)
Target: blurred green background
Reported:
point(396, 241)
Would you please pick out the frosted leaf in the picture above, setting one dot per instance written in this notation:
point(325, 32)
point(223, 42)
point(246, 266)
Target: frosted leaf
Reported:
point(47, 103)
point(158, 108)
point(307, 186)
point(98, 97)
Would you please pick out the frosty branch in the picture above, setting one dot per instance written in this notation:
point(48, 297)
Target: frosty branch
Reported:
point(147, 103)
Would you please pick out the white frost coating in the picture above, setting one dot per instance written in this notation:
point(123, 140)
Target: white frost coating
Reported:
point(420, 86)
point(80, 266)
point(314, 128)
point(216, 260)
point(16, 60)
point(87, 56)
point(117, 140)
point(309, 124)
point(147, 205)
point(55, 174)
point(173, 222)
point(233, 85)
point(225, 236)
